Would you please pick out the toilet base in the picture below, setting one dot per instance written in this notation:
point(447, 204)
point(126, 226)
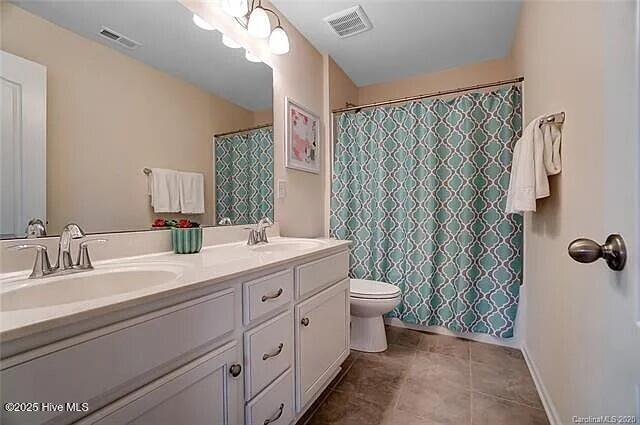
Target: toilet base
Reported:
point(367, 334)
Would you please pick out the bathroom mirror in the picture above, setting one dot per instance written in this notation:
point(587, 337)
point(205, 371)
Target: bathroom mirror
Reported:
point(95, 93)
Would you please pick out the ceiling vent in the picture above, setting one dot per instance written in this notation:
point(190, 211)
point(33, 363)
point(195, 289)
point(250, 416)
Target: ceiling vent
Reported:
point(349, 22)
point(116, 37)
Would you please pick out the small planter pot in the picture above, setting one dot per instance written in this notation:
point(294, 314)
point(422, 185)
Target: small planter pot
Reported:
point(186, 241)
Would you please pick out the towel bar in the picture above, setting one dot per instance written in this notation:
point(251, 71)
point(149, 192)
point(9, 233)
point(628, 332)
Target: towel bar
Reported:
point(557, 118)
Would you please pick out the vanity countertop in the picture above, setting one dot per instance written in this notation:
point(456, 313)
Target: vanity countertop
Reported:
point(214, 264)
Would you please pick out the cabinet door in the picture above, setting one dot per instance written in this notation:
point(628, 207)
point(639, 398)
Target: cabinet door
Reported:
point(322, 340)
point(203, 392)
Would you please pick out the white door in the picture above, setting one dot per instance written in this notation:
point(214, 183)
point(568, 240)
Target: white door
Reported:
point(23, 99)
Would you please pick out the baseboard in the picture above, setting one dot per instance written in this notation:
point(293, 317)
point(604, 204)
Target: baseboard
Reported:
point(488, 339)
point(549, 407)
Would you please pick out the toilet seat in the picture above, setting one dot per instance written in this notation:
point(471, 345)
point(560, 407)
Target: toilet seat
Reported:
point(373, 290)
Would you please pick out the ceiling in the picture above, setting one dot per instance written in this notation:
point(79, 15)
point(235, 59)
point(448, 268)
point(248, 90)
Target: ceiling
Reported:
point(170, 42)
point(408, 37)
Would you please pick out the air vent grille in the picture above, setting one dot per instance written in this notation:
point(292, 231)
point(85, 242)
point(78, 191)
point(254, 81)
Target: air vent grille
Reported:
point(116, 37)
point(349, 22)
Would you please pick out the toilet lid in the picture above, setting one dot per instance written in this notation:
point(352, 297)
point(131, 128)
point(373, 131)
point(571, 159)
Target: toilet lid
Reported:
point(361, 288)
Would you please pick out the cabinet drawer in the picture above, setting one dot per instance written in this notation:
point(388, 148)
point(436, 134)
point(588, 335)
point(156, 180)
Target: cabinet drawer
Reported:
point(268, 352)
point(312, 277)
point(267, 294)
point(274, 406)
point(91, 370)
point(322, 340)
point(202, 392)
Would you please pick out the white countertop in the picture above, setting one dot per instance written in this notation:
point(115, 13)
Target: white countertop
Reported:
point(214, 264)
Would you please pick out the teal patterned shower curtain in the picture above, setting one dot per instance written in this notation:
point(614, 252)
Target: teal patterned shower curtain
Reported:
point(420, 189)
point(244, 176)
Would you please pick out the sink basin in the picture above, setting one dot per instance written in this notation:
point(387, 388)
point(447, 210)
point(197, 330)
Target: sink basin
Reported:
point(84, 286)
point(287, 245)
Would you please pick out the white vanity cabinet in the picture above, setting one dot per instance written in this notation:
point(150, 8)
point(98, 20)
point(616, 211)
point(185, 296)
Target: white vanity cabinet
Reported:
point(322, 336)
point(255, 349)
point(322, 324)
point(203, 392)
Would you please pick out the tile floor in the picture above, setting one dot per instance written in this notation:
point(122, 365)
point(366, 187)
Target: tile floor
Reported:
point(429, 379)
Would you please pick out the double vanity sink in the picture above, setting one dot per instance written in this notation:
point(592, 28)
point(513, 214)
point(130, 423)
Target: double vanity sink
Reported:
point(234, 334)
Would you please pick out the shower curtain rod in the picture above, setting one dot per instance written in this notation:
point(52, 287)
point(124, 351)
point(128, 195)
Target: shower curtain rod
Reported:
point(428, 95)
point(242, 130)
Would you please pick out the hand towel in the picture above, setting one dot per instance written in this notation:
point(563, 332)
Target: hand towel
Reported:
point(528, 180)
point(552, 136)
point(165, 190)
point(192, 193)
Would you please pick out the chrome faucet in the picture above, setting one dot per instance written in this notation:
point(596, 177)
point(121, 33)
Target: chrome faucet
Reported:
point(258, 233)
point(70, 231)
point(64, 264)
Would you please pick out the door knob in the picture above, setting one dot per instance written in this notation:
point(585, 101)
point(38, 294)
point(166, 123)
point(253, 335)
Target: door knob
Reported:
point(614, 251)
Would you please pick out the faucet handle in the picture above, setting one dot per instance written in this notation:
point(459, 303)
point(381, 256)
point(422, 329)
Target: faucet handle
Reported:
point(264, 223)
point(41, 266)
point(84, 260)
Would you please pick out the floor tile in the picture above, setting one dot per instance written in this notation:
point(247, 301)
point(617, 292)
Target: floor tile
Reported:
point(374, 380)
point(512, 383)
point(342, 408)
point(402, 336)
point(487, 410)
point(442, 402)
point(495, 354)
point(443, 344)
point(400, 417)
point(344, 368)
point(394, 354)
point(432, 368)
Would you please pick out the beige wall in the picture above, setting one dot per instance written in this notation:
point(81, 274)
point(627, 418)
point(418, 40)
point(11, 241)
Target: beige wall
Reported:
point(580, 332)
point(108, 117)
point(299, 75)
point(263, 116)
point(341, 88)
point(468, 75)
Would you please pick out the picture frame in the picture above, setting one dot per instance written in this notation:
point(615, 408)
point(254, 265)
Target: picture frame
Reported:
point(302, 138)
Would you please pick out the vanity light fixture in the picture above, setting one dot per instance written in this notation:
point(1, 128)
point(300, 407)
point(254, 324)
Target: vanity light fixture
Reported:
point(202, 23)
point(236, 8)
point(227, 41)
point(256, 22)
point(259, 25)
point(251, 57)
point(278, 41)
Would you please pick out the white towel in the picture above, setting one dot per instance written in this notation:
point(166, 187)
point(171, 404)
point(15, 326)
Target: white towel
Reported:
point(192, 193)
point(165, 190)
point(552, 137)
point(535, 156)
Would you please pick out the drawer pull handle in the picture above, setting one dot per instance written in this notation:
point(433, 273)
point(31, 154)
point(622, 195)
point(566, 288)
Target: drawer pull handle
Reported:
point(276, 416)
point(275, 353)
point(305, 321)
point(235, 370)
point(272, 297)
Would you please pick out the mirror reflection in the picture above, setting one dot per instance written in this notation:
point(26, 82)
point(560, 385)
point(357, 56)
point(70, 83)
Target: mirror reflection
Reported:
point(109, 112)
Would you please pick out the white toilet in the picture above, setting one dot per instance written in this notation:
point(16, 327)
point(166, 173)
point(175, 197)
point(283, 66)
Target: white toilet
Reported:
point(369, 300)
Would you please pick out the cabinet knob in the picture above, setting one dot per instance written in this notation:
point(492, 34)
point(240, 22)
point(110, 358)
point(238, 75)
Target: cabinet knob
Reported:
point(235, 370)
point(305, 321)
